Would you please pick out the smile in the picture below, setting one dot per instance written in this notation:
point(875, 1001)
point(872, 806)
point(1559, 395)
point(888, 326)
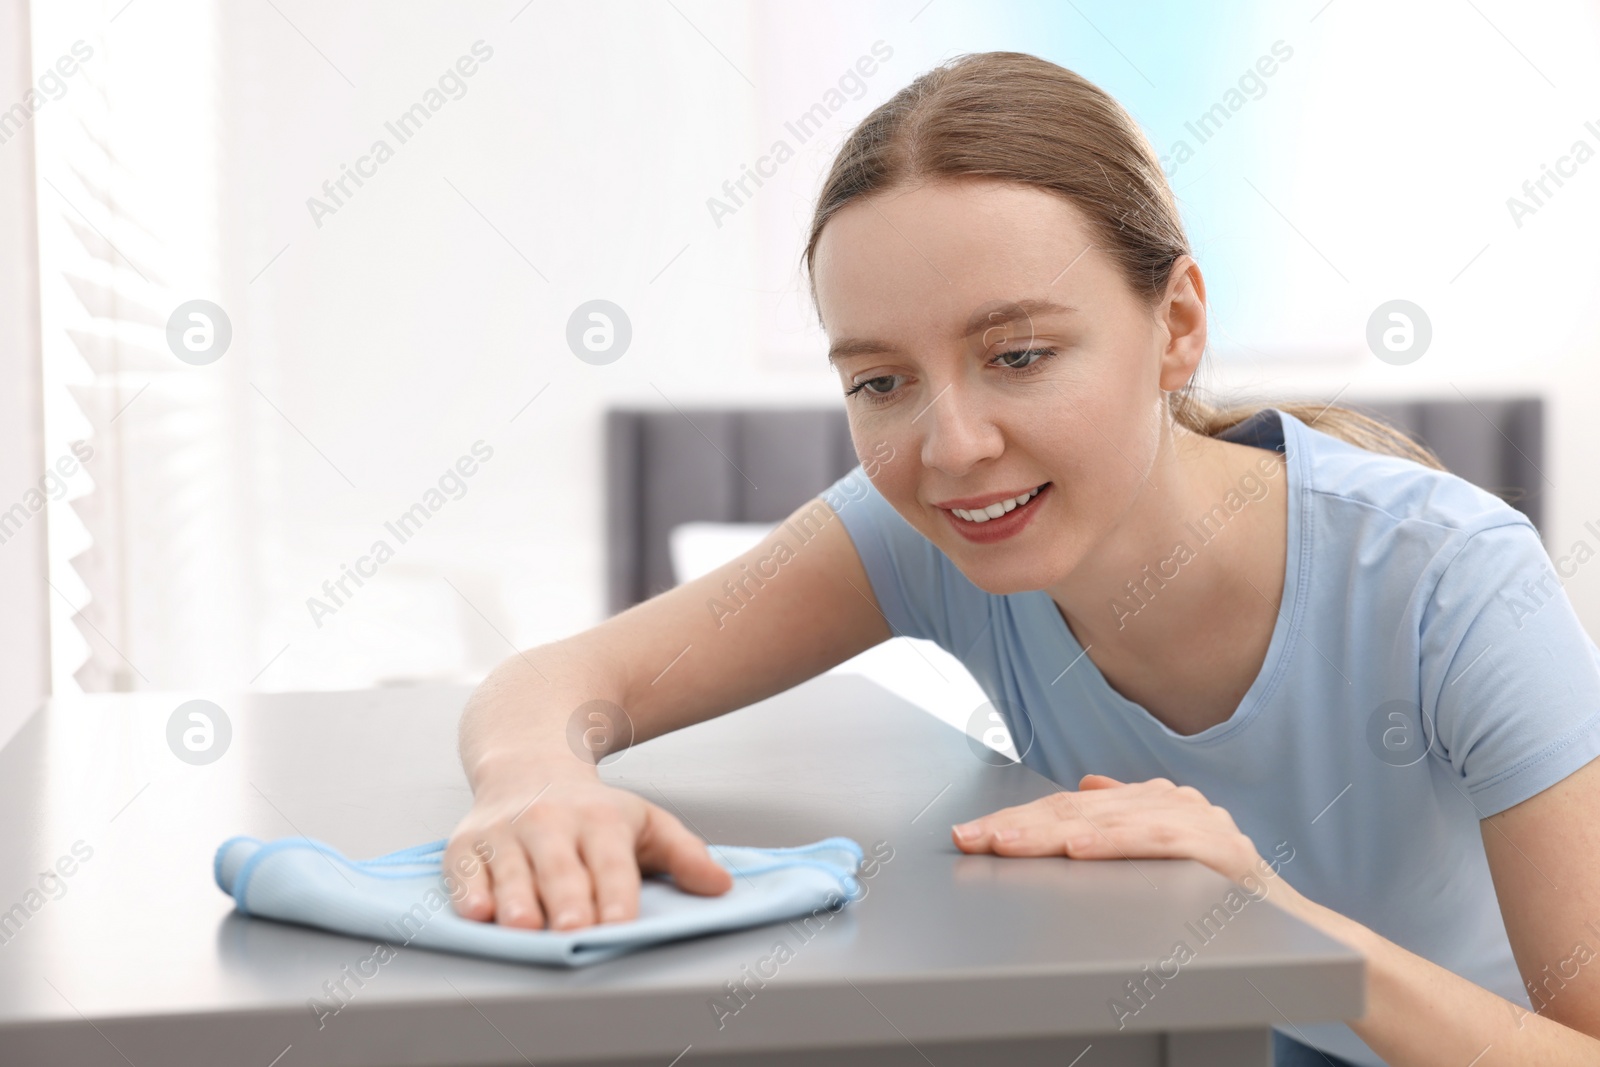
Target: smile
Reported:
point(986, 521)
point(997, 509)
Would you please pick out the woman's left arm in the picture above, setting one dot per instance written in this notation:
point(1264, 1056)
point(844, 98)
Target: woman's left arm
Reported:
point(1544, 854)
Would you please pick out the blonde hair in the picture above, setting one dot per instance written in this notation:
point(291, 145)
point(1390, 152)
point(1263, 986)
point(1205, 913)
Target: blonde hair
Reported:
point(1014, 117)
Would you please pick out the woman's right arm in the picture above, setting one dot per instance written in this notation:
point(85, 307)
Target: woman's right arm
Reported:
point(566, 850)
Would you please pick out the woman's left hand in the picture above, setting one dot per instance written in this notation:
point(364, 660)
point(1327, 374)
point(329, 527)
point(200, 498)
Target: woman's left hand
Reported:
point(1108, 819)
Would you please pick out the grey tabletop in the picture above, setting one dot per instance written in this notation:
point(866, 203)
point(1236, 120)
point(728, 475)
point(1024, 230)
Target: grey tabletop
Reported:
point(137, 957)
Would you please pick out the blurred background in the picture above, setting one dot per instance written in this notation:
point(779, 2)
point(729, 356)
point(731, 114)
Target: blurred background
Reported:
point(397, 217)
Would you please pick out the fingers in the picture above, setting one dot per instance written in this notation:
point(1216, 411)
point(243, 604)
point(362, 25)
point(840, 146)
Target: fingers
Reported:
point(596, 877)
point(1009, 828)
point(564, 887)
point(1227, 853)
point(665, 845)
point(1108, 819)
point(567, 865)
point(1049, 825)
point(1116, 834)
point(606, 845)
point(542, 876)
point(467, 879)
point(1098, 781)
point(512, 880)
point(1040, 837)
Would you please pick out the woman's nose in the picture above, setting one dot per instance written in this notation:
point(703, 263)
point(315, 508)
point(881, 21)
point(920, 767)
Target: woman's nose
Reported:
point(957, 432)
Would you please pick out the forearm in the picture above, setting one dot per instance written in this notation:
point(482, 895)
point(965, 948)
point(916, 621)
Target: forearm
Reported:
point(722, 641)
point(1421, 1015)
point(519, 722)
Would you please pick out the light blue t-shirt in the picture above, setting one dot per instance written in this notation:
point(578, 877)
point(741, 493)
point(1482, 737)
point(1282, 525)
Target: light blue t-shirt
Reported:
point(1426, 671)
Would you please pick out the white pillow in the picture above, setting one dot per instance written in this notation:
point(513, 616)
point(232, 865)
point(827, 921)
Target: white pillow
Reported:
point(698, 548)
point(917, 670)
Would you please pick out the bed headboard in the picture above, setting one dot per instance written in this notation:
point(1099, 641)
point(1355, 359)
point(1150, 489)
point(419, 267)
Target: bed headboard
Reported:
point(668, 467)
point(665, 468)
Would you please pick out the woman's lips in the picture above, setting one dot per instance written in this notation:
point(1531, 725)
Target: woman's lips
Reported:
point(1009, 524)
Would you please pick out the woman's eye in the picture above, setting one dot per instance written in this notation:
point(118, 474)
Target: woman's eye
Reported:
point(1021, 358)
point(875, 386)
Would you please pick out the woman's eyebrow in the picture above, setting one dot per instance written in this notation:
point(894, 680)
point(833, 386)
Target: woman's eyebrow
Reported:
point(982, 320)
point(1012, 312)
point(857, 347)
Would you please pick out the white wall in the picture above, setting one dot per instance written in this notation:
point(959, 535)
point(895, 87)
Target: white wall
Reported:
point(24, 679)
point(409, 326)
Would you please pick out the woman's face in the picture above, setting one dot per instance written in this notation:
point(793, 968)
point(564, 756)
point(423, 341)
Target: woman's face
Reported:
point(1007, 365)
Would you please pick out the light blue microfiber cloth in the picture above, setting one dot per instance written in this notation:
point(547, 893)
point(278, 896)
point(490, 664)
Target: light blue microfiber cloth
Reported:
point(401, 898)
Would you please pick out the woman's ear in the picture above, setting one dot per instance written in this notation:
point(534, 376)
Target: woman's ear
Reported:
point(1182, 316)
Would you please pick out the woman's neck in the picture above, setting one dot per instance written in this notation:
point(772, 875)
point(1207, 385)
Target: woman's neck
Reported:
point(1177, 604)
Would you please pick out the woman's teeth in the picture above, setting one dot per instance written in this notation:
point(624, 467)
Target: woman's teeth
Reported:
point(994, 511)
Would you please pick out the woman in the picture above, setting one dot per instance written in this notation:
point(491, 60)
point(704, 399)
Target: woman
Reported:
point(1281, 630)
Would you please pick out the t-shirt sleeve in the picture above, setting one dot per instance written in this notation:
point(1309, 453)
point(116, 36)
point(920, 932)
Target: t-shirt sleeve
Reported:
point(920, 592)
point(1513, 678)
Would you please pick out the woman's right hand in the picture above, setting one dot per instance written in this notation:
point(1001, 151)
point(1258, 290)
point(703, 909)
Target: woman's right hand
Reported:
point(568, 854)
